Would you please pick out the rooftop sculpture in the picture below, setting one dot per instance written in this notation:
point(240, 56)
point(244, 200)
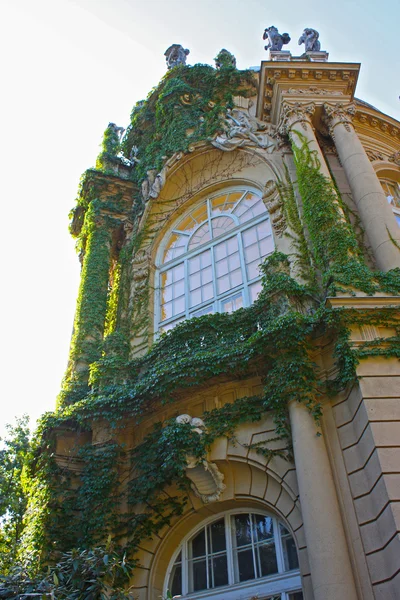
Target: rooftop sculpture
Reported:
point(275, 39)
point(176, 55)
point(309, 38)
point(224, 59)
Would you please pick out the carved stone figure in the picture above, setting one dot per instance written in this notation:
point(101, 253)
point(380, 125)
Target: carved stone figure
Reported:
point(274, 206)
point(119, 131)
point(153, 184)
point(207, 479)
point(242, 129)
point(133, 159)
point(309, 38)
point(176, 55)
point(225, 59)
point(275, 39)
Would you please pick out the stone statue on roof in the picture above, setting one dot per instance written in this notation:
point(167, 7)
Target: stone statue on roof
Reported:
point(275, 39)
point(309, 38)
point(176, 55)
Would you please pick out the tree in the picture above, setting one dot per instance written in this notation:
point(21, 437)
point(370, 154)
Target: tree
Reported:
point(14, 448)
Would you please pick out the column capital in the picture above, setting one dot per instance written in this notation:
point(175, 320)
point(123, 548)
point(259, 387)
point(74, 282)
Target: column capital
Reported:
point(339, 114)
point(293, 113)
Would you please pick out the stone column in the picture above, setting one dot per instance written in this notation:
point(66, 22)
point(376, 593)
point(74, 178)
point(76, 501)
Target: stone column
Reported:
point(297, 117)
point(331, 570)
point(376, 215)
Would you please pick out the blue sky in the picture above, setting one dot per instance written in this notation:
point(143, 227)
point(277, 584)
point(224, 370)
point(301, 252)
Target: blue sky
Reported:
point(71, 66)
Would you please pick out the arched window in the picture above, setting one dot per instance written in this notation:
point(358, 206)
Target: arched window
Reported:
point(237, 551)
point(210, 259)
point(392, 191)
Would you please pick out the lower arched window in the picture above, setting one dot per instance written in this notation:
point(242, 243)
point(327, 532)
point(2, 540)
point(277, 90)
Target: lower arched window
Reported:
point(237, 551)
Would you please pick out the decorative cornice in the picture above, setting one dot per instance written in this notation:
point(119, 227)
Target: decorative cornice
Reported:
point(339, 114)
point(374, 121)
point(295, 113)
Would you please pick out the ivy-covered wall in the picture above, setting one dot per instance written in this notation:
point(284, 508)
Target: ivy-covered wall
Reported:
point(118, 491)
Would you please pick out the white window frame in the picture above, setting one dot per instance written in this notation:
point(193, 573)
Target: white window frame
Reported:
point(282, 583)
point(218, 300)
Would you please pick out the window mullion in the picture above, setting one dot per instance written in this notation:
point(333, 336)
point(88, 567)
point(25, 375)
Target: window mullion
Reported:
point(253, 546)
point(207, 571)
point(278, 546)
point(229, 549)
point(246, 299)
point(185, 570)
point(187, 287)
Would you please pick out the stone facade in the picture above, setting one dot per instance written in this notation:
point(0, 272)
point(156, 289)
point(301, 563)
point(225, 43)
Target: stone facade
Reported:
point(339, 495)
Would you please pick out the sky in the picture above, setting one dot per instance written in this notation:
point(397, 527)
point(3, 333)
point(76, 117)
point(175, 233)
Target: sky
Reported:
point(68, 67)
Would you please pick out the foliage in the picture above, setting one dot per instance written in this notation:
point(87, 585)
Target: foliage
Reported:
point(99, 574)
point(187, 106)
point(14, 449)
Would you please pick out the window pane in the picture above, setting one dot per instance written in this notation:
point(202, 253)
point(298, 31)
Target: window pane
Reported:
point(194, 264)
point(245, 565)
point(201, 236)
point(217, 536)
point(233, 303)
point(178, 273)
point(179, 288)
point(268, 562)
point(296, 596)
point(221, 225)
point(255, 289)
point(219, 568)
point(266, 246)
point(199, 544)
point(208, 292)
point(249, 237)
point(242, 530)
point(263, 527)
point(166, 311)
point(290, 553)
point(199, 575)
point(179, 305)
point(175, 586)
point(203, 311)
point(223, 284)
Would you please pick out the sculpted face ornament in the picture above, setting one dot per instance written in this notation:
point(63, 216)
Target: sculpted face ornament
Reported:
point(275, 39)
point(310, 40)
point(176, 55)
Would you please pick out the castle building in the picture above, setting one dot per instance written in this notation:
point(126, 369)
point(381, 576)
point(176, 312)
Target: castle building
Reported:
point(240, 425)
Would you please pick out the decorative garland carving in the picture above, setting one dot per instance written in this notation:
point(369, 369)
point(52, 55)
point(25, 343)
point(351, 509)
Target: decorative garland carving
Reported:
point(314, 90)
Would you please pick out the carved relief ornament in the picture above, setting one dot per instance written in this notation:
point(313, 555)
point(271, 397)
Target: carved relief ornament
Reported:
point(395, 158)
point(274, 206)
point(295, 113)
point(339, 114)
